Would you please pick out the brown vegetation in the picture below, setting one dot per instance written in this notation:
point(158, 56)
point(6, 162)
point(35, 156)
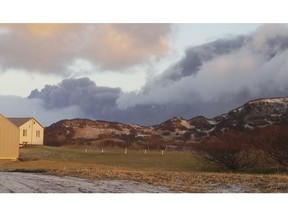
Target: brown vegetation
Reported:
point(180, 172)
point(273, 140)
point(231, 150)
point(236, 150)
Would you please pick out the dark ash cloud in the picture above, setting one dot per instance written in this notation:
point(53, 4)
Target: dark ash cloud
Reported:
point(196, 56)
point(92, 100)
point(97, 102)
point(211, 79)
point(224, 73)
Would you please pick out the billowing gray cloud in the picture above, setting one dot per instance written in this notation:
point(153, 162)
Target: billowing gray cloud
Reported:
point(223, 73)
point(210, 79)
point(50, 48)
point(97, 102)
point(92, 100)
point(196, 56)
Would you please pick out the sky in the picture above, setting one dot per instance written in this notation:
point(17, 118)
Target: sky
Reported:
point(106, 63)
point(138, 73)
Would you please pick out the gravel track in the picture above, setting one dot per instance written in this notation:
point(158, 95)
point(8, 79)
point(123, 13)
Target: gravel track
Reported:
point(17, 182)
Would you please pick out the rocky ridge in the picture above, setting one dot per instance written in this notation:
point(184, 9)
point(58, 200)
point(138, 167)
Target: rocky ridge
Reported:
point(176, 131)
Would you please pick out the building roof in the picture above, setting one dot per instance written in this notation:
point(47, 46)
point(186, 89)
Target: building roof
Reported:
point(18, 121)
point(4, 118)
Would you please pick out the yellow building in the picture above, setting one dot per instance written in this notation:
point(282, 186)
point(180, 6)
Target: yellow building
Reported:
point(31, 131)
point(9, 139)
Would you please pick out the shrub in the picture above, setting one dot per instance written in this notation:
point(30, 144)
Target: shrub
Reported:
point(232, 151)
point(273, 140)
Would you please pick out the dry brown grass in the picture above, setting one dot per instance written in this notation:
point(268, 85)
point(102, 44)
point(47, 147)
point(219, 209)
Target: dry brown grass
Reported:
point(197, 182)
point(189, 182)
point(178, 181)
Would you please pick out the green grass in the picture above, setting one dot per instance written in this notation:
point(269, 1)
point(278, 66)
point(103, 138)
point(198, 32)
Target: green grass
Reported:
point(115, 157)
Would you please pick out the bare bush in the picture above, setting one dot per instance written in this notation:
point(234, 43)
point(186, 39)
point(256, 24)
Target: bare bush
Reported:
point(232, 151)
point(273, 140)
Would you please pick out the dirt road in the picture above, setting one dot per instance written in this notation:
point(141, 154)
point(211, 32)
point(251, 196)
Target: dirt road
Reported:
point(17, 182)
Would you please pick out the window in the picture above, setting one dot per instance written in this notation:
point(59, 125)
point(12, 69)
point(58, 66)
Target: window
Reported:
point(38, 133)
point(25, 132)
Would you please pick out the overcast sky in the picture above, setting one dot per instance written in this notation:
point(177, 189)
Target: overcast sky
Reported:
point(138, 73)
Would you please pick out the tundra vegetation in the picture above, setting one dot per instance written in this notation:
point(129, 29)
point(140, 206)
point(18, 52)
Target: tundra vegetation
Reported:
point(262, 148)
point(234, 161)
point(231, 151)
point(273, 140)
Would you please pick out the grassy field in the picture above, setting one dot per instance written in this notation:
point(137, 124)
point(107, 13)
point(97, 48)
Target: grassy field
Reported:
point(180, 171)
point(115, 157)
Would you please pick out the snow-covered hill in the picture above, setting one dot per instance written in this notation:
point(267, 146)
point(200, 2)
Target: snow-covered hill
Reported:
point(253, 114)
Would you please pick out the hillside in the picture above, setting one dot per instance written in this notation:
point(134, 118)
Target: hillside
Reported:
point(176, 131)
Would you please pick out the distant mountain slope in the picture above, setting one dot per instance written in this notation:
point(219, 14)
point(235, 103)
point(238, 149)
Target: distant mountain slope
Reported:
point(253, 114)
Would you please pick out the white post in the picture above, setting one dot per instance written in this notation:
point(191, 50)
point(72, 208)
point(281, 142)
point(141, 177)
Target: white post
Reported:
point(125, 151)
point(102, 151)
point(162, 152)
point(86, 150)
point(145, 151)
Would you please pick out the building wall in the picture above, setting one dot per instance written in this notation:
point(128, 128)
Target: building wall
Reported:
point(9, 139)
point(34, 134)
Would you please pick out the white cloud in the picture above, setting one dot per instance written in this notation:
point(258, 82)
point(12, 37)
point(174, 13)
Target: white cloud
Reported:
point(257, 68)
point(50, 48)
point(20, 82)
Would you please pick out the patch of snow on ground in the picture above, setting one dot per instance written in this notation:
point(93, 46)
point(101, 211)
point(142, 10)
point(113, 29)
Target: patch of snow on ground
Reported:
point(17, 182)
point(271, 100)
point(276, 100)
point(269, 122)
point(240, 109)
point(212, 122)
point(248, 126)
point(185, 124)
point(212, 129)
point(275, 115)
